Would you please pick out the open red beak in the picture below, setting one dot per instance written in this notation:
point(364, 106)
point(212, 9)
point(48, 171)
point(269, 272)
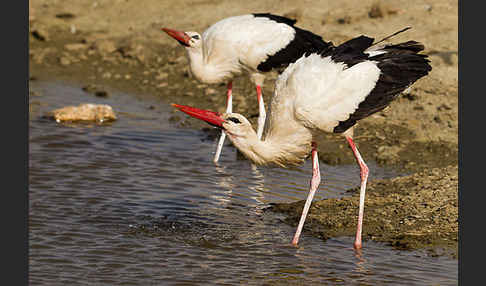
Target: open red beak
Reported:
point(181, 37)
point(211, 117)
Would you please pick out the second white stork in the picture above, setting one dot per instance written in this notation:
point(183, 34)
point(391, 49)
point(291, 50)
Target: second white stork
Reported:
point(325, 92)
point(253, 43)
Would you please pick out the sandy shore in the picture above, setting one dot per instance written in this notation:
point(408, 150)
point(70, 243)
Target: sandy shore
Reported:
point(116, 44)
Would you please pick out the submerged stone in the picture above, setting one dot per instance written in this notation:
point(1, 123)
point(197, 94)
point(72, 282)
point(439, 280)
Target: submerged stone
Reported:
point(83, 112)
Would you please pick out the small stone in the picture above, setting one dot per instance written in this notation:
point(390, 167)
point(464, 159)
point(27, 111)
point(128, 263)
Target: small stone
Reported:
point(410, 96)
point(40, 34)
point(375, 11)
point(162, 76)
point(210, 91)
point(64, 61)
point(105, 46)
point(65, 15)
point(106, 75)
point(444, 107)
point(102, 93)
point(344, 20)
point(75, 47)
point(162, 85)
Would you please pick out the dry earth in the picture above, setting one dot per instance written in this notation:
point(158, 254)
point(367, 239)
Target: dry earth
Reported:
point(117, 44)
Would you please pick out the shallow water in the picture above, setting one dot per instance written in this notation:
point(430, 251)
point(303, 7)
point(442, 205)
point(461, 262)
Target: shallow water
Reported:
point(139, 202)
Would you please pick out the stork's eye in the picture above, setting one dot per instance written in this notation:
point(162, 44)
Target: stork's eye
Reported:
point(196, 37)
point(234, 119)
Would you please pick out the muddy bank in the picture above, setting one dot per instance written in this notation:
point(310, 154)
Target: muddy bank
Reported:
point(411, 212)
point(115, 45)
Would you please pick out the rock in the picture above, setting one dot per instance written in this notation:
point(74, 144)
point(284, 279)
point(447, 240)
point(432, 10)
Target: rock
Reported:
point(375, 11)
point(344, 20)
point(102, 93)
point(40, 34)
point(106, 75)
point(162, 76)
point(65, 15)
point(162, 85)
point(210, 91)
point(105, 46)
point(75, 47)
point(444, 107)
point(64, 61)
point(410, 96)
point(83, 112)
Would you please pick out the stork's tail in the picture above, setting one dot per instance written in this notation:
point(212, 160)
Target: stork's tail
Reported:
point(400, 66)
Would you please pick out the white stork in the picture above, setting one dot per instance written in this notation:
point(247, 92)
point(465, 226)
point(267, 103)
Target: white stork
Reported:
point(255, 43)
point(325, 92)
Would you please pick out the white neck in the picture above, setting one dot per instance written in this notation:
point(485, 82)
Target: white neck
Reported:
point(209, 70)
point(281, 150)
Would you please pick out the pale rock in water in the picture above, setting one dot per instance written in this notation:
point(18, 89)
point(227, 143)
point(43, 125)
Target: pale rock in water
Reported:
point(84, 112)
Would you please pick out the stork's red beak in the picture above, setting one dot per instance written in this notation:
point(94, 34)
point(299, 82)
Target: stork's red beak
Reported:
point(211, 117)
point(181, 37)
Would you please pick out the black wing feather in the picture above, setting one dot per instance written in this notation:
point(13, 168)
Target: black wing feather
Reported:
point(304, 43)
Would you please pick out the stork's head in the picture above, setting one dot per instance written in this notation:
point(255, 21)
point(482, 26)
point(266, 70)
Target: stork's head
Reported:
point(187, 39)
point(236, 126)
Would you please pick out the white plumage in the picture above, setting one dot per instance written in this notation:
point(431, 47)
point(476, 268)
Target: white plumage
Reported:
point(236, 44)
point(323, 83)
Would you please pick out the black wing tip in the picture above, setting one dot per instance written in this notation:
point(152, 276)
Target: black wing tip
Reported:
point(401, 66)
point(412, 46)
point(276, 18)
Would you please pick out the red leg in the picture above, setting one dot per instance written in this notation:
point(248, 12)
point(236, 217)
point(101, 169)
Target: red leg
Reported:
point(261, 112)
point(314, 183)
point(364, 177)
point(229, 98)
point(229, 109)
